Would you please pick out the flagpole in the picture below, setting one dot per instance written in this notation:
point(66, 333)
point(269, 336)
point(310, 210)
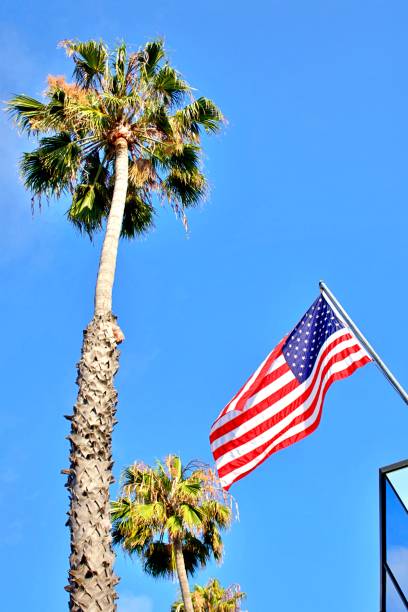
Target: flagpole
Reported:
point(350, 323)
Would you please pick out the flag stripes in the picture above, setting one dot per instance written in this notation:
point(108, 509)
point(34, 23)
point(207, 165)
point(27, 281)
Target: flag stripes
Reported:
point(274, 409)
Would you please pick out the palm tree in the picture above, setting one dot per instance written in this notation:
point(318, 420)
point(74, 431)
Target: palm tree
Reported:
point(123, 136)
point(213, 598)
point(171, 517)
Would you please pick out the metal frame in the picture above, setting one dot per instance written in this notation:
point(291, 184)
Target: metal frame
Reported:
point(384, 567)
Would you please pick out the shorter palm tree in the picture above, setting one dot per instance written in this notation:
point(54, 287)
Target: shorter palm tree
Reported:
point(171, 516)
point(213, 598)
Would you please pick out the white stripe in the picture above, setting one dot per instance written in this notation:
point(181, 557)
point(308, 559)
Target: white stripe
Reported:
point(276, 363)
point(269, 390)
point(229, 415)
point(284, 401)
point(246, 386)
point(337, 367)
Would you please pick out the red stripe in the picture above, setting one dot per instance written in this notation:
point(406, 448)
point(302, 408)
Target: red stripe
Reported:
point(255, 385)
point(252, 434)
point(243, 415)
point(260, 407)
point(295, 438)
point(225, 410)
point(271, 357)
point(268, 401)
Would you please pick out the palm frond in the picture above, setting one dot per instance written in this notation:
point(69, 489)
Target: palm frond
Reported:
point(200, 114)
point(138, 217)
point(213, 597)
point(187, 188)
point(154, 512)
point(174, 526)
point(190, 488)
point(196, 553)
point(91, 198)
point(192, 517)
point(51, 168)
point(149, 58)
point(62, 154)
point(119, 73)
point(168, 84)
point(158, 560)
point(27, 112)
point(91, 61)
point(219, 513)
point(154, 125)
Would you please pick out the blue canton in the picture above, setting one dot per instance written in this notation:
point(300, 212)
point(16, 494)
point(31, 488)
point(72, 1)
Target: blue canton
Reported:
point(305, 341)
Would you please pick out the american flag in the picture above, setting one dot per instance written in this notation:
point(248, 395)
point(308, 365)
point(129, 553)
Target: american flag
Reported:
point(282, 401)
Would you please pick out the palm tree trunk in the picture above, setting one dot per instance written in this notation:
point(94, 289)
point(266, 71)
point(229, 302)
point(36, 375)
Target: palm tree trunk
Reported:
point(182, 576)
point(107, 264)
point(91, 577)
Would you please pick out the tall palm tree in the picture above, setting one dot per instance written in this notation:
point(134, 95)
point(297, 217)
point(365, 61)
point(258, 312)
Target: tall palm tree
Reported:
point(123, 136)
point(213, 598)
point(171, 517)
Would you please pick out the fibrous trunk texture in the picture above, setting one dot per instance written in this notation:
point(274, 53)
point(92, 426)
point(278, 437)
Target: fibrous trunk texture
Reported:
point(91, 578)
point(182, 576)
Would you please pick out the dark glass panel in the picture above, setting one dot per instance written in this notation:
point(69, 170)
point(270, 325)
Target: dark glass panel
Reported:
point(393, 600)
point(399, 480)
point(397, 538)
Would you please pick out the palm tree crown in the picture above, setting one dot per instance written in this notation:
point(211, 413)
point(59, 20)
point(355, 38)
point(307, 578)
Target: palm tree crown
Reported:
point(136, 96)
point(167, 504)
point(213, 598)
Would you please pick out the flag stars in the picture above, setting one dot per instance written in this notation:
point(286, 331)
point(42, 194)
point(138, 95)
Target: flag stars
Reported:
point(309, 336)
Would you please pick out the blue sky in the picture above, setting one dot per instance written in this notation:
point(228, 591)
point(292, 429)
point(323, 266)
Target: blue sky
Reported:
point(309, 180)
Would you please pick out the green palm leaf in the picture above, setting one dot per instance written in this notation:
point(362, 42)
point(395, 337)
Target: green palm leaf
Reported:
point(27, 112)
point(149, 58)
point(166, 504)
point(200, 114)
point(137, 96)
point(90, 59)
point(169, 86)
